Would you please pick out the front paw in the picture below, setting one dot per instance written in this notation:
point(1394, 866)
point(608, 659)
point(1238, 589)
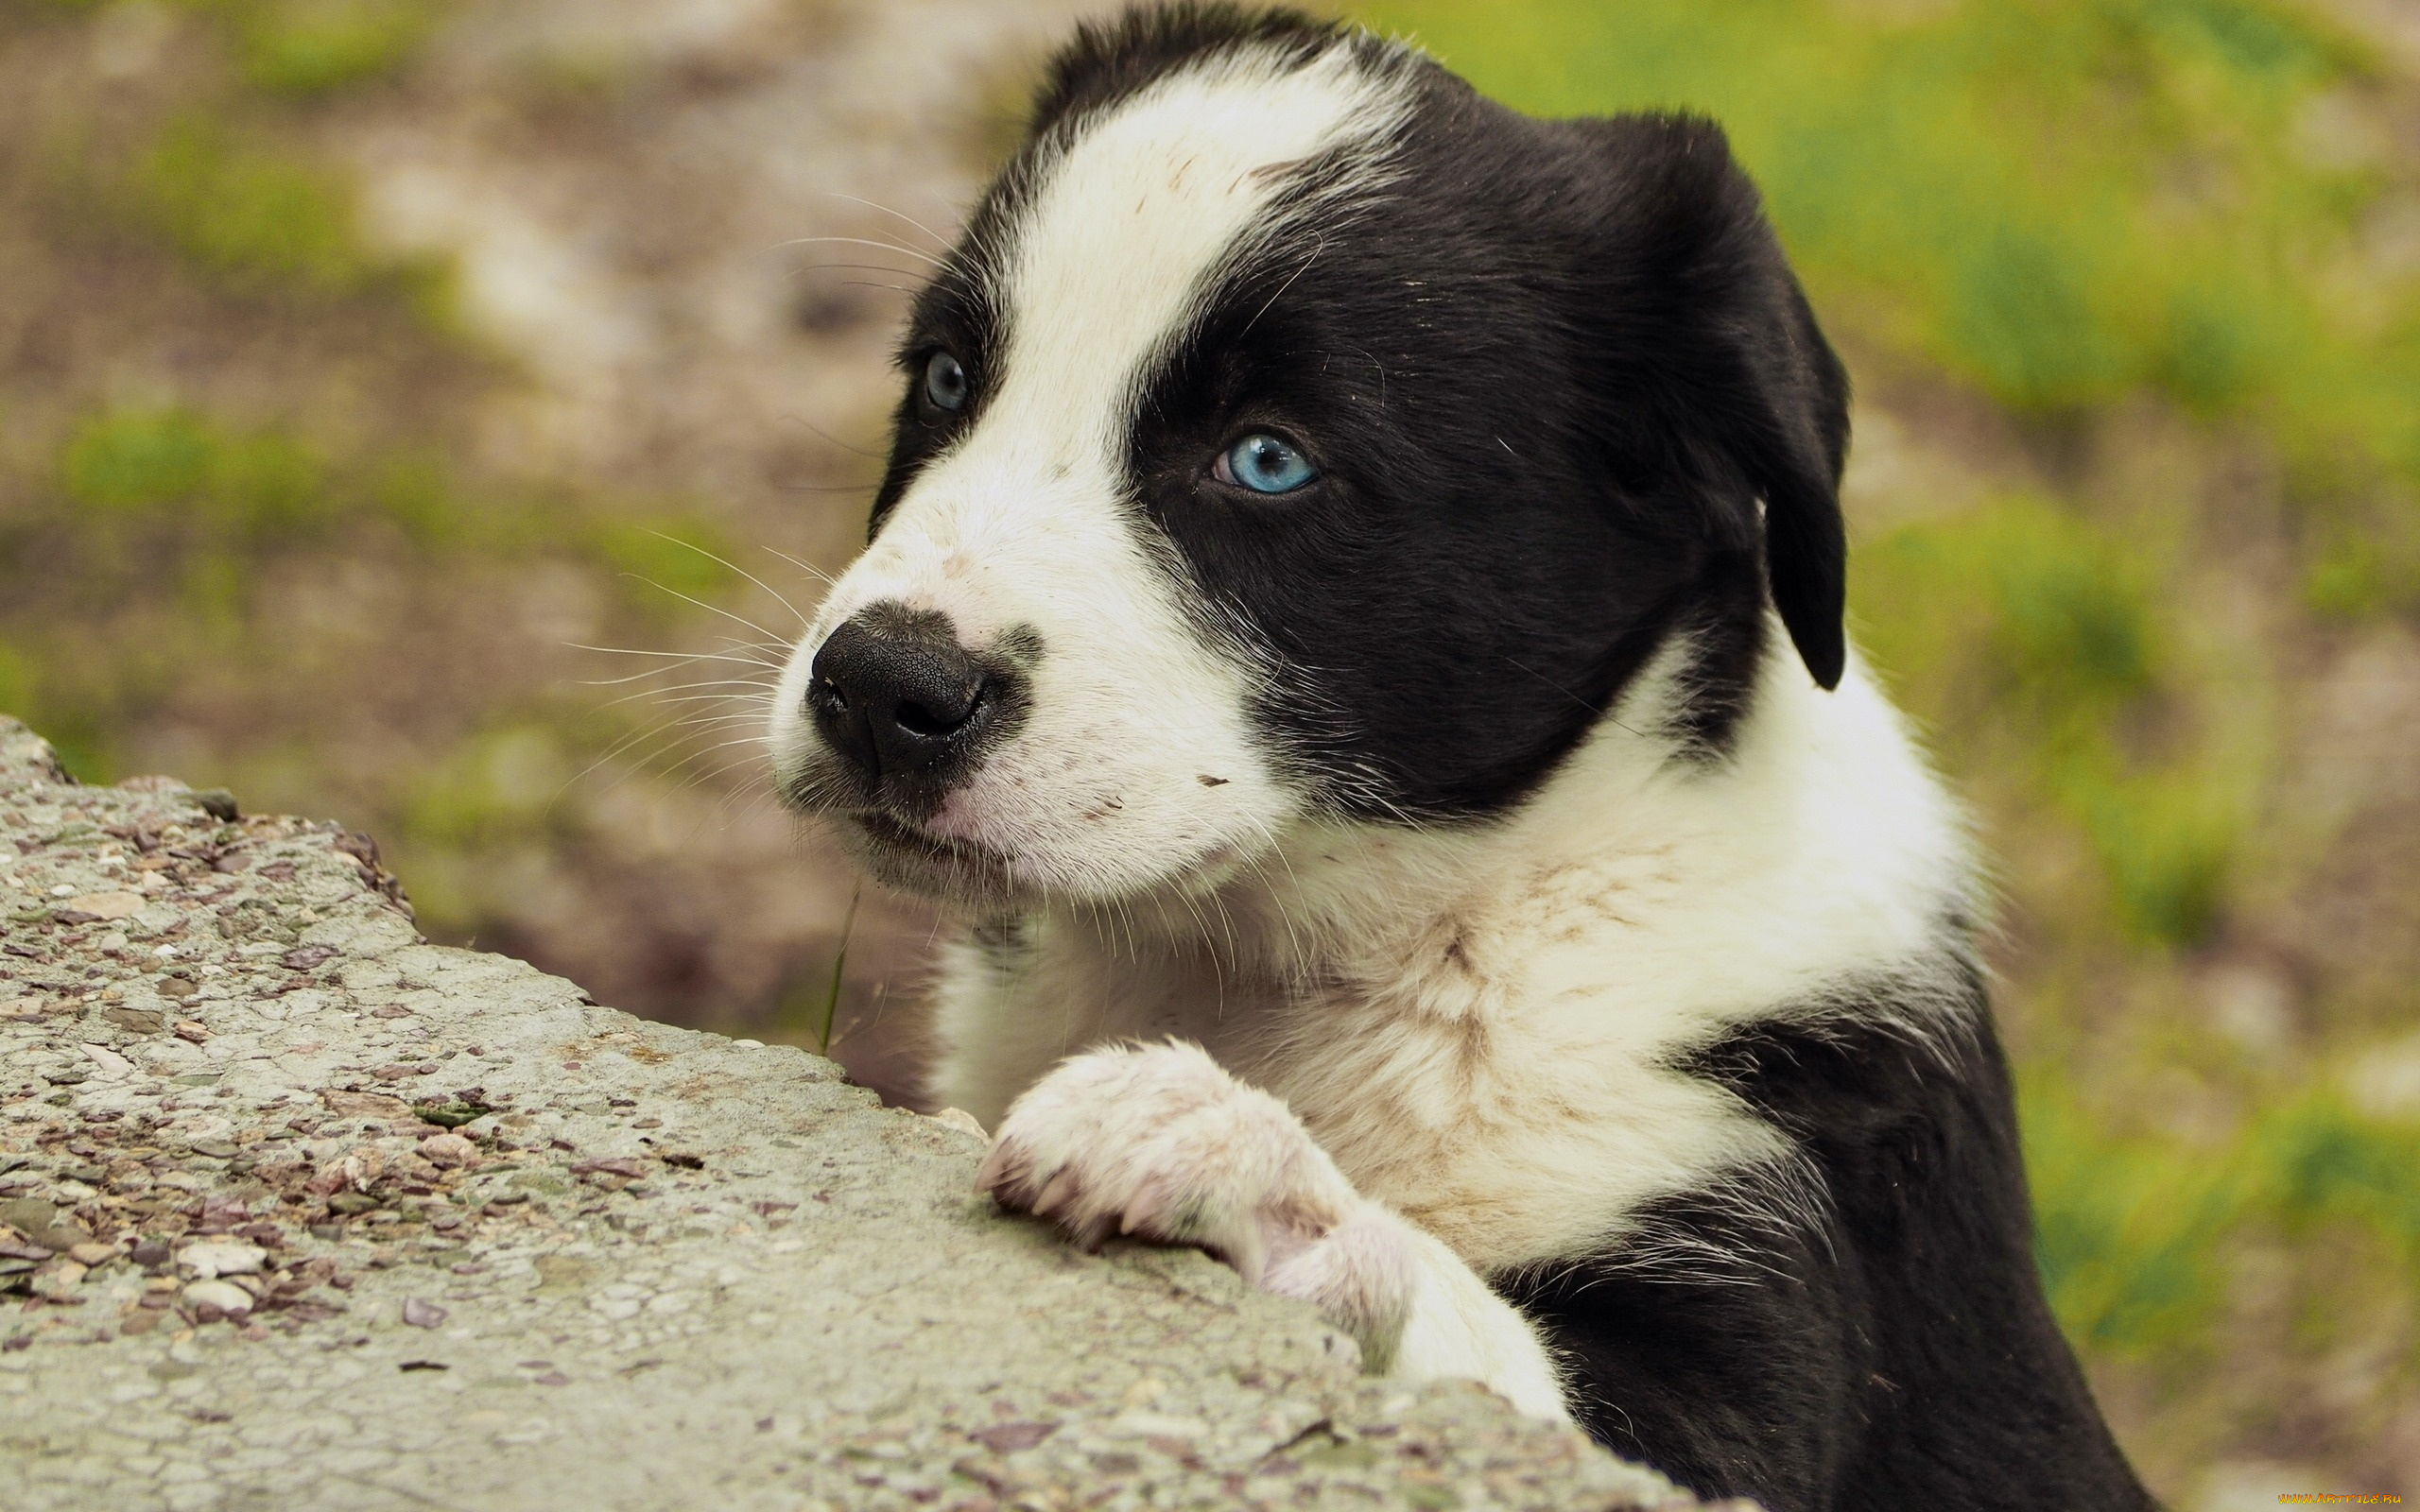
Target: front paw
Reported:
point(1157, 1141)
point(1160, 1142)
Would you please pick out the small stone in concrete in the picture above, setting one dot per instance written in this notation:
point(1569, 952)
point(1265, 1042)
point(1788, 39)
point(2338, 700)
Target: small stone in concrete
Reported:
point(448, 1149)
point(108, 904)
point(42, 1224)
point(1006, 1438)
point(58, 1279)
point(960, 1120)
point(423, 1314)
point(222, 1256)
point(107, 1059)
point(208, 1301)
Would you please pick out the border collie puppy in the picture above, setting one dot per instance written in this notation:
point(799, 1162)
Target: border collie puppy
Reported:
point(1353, 623)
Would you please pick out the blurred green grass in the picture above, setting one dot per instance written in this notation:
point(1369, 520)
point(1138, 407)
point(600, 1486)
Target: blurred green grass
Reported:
point(299, 48)
point(2077, 212)
point(143, 539)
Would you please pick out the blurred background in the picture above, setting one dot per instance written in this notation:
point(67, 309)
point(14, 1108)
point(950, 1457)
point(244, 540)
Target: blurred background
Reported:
point(433, 415)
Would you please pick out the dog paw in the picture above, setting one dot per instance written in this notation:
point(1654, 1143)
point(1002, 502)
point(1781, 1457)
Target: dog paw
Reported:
point(1160, 1142)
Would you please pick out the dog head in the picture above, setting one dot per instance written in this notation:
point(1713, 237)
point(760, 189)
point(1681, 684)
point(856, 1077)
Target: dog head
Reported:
point(1295, 433)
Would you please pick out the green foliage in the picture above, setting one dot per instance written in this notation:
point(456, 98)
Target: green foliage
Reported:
point(16, 682)
point(2133, 1229)
point(2071, 616)
point(237, 486)
point(226, 486)
point(415, 491)
point(130, 460)
point(312, 47)
point(2324, 1164)
point(2033, 633)
point(2125, 1227)
point(74, 734)
point(494, 787)
point(665, 560)
point(2367, 563)
point(257, 218)
point(2167, 842)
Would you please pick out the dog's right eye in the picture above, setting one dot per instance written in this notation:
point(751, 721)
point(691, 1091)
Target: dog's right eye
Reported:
point(1263, 464)
point(945, 383)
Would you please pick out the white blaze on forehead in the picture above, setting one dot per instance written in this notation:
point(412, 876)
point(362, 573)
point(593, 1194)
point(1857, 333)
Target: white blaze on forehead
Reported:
point(1109, 258)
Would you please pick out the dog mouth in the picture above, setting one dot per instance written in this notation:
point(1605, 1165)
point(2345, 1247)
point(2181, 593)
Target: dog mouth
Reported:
point(912, 857)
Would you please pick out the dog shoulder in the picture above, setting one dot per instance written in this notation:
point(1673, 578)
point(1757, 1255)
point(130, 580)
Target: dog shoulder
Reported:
point(1859, 1310)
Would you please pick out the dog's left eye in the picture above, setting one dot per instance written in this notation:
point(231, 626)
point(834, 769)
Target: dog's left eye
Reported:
point(1265, 465)
point(945, 382)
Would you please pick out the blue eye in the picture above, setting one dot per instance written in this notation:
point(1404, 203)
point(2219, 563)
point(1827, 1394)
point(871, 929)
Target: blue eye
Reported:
point(1265, 465)
point(944, 382)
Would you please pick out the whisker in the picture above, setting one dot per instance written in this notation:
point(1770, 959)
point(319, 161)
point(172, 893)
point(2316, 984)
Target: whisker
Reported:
point(701, 603)
point(609, 753)
point(816, 573)
point(806, 425)
point(766, 684)
point(927, 258)
point(755, 708)
point(938, 240)
point(741, 571)
point(635, 677)
point(680, 656)
point(851, 268)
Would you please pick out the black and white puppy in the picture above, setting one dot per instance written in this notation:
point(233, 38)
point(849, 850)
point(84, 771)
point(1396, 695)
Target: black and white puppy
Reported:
point(1354, 624)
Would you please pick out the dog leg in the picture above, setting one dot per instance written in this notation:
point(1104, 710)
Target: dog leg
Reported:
point(1159, 1141)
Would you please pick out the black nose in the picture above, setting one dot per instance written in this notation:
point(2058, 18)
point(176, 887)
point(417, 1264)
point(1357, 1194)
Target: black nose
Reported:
point(896, 694)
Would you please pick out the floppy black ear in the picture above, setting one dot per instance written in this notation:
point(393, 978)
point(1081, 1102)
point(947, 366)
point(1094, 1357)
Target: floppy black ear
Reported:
point(1704, 327)
point(1797, 470)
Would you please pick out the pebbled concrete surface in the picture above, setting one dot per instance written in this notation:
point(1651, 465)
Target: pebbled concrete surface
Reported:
point(297, 1212)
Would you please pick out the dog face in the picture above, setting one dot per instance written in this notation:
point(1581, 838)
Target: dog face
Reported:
point(1294, 433)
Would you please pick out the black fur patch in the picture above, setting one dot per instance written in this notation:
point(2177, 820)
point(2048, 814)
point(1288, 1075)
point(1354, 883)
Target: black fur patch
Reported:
point(1546, 372)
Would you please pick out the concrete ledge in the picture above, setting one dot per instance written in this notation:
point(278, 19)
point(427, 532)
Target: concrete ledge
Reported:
point(301, 1211)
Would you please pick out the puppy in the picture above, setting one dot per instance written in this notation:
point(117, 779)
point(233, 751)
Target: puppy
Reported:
point(1353, 623)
